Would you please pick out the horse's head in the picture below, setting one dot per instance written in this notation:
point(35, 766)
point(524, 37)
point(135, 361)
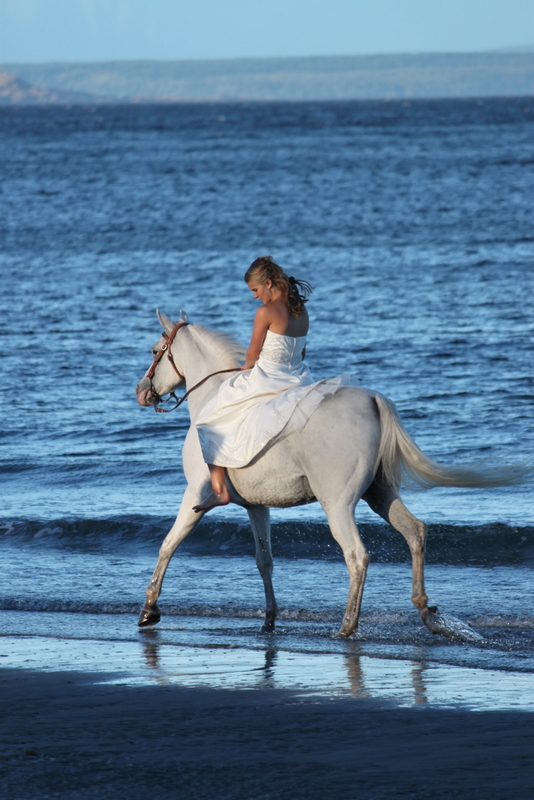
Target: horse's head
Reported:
point(163, 375)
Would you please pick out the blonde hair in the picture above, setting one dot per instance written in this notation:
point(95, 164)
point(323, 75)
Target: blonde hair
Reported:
point(295, 292)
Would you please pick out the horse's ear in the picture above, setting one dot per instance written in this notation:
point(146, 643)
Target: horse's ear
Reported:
point(165, 322)
point(183, 316)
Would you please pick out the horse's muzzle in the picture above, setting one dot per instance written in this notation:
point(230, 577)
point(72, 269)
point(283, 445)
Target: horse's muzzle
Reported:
point(146, 396)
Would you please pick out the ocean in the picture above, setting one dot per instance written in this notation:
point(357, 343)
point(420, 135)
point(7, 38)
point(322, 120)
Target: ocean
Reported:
point(414, 222)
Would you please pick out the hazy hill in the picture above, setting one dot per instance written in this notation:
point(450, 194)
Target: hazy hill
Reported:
point(14, 91)
point(500, 73)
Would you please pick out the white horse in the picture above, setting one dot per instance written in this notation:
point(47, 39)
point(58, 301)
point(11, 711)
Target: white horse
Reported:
point(353, 446)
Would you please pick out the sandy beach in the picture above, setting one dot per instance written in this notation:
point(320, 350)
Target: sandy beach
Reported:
point(65, 735)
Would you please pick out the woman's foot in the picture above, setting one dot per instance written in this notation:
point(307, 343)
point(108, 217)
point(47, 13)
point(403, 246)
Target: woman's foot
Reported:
point(213, 501)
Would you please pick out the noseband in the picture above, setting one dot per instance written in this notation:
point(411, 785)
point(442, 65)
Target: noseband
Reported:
point(166, 348)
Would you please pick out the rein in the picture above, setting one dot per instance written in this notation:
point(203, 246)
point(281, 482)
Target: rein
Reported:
point(166, 348)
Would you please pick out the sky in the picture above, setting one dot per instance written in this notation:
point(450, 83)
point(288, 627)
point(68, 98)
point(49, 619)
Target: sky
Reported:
point(97, 30)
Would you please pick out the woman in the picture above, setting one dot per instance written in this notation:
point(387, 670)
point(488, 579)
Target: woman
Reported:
point(274, 394)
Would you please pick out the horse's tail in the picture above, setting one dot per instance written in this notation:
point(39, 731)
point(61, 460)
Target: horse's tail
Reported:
point(402, 463)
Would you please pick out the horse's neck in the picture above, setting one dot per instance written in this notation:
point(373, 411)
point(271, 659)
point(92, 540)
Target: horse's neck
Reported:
point(200, 395)
point(199, 362)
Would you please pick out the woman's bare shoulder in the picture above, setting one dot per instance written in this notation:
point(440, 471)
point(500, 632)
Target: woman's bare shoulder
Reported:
point(264, 314)
point(284, 323)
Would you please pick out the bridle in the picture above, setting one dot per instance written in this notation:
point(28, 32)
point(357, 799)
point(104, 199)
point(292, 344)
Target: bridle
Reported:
point(166, 348)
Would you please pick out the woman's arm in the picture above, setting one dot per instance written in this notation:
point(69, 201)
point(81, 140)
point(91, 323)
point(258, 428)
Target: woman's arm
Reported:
point(262, 321)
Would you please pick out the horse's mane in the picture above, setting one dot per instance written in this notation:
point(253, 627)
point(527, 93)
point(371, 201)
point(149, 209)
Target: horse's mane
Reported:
point(223, 345)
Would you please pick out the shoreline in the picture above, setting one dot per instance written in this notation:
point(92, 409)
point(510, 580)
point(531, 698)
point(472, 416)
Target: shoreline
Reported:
point(66, 735)
point(241, 662)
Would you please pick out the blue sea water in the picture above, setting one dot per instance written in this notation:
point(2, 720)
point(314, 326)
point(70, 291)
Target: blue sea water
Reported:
point(414, 222)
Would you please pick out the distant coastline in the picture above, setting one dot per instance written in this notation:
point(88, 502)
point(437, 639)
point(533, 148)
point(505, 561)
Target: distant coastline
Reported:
point(432, 75)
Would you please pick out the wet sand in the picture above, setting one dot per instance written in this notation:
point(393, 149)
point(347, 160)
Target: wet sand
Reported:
point(63, 734)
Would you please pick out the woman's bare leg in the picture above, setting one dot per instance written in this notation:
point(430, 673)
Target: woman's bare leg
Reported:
point(219, 493)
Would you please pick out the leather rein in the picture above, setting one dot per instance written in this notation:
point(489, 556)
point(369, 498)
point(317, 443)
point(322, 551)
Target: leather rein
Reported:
point(166, 348)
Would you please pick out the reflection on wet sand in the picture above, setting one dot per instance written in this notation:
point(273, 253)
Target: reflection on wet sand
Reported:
point(151, 646)
point(356, 675)
point(268, 679)
point(271, 668)
point(412, 679)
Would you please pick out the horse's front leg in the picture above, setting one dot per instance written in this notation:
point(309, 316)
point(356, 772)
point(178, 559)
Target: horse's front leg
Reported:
point(261, 528)
point(186, 520)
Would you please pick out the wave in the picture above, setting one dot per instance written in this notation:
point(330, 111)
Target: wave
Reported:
point(488, 544)
point(325, 616)
point(77, 606)
point(506, 634)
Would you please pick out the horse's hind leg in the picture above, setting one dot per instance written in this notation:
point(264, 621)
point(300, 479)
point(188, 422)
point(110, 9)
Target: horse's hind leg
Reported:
point(345, 532)
point(261, 528)
point(385, 502)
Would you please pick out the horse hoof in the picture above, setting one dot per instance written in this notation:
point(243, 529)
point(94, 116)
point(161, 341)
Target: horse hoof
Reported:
point(268, 626)
point(150, 615)
point(451, 627)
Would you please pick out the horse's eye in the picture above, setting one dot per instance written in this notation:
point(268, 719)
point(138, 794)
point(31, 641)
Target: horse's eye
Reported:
point(154, 351)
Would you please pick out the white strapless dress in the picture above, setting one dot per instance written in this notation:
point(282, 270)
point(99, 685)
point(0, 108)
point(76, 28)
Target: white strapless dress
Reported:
point(255, 408)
